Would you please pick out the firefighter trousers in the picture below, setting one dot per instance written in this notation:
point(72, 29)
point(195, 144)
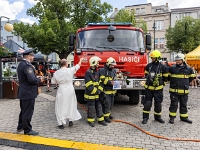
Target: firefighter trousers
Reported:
point(175, 99)
point(94, 107)
point(158, 98)
point(107, 101)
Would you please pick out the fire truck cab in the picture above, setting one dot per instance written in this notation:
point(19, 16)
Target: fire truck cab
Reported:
point(126, 44)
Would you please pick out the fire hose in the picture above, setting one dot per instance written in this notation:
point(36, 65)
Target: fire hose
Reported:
point(139, 128)
point(149, 133)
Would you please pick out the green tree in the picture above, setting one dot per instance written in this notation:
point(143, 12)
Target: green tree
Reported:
point(129, 16)
point(57, 19)
point(184, 36)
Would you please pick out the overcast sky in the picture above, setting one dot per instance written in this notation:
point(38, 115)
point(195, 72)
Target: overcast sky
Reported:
point(16, 9)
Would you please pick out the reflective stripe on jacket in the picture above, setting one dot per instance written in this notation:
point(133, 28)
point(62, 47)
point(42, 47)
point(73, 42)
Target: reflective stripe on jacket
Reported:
point(180, 77)
point(91, 85)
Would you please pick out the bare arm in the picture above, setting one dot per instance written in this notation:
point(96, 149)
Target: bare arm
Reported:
point(80, 61)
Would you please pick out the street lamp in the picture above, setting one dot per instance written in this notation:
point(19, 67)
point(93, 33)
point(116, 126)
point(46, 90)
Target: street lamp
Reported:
point(154, 32)
point(8, 27)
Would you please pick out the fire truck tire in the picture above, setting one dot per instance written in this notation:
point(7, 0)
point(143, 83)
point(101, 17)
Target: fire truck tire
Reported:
point(80, 96)
point(134, 97)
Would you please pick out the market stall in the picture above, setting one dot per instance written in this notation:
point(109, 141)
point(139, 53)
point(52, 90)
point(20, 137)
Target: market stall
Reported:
point(193, 58)
point(10, 60)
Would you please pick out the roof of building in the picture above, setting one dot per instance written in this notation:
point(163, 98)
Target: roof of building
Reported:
point(137, 5)
point(185, 9)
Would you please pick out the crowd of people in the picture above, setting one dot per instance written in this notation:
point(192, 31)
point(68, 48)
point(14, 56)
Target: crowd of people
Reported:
point(99, 91)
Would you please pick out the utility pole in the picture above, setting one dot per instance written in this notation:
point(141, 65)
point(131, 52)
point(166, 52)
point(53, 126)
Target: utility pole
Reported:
point(154, 32)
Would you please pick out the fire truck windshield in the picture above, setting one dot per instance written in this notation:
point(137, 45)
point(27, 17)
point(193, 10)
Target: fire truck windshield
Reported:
point(123, 39)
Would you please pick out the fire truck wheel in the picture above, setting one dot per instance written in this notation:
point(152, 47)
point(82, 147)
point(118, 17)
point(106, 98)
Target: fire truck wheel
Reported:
point(134, 97)
point(80, 96)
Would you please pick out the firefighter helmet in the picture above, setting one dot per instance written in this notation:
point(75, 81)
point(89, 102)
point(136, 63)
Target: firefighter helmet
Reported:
point(155, 54)
point(94, 60)
point(180, 57)
point(111, 61)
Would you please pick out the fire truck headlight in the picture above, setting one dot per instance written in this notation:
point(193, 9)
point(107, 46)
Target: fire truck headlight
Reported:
point(142, 83)
point(77, 83)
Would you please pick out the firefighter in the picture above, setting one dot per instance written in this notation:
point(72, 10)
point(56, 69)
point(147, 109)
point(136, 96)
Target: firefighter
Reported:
point(156, 76)
point(92, 93)
point(107, 76)
point(180, 75)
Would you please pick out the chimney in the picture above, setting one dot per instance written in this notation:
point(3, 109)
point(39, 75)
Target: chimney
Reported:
point(166, 4)
point(116, 9)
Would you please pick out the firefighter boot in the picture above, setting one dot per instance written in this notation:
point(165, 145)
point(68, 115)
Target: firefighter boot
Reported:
point(186, 120)
point(102, 123)
point(107, 119)
point(171, 120)
point(159, 120)
point(91, 124)
point(145, 120)
point(111, 117)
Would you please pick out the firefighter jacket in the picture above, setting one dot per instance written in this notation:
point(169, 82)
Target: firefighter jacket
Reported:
point(91, 85)
point(180, 77)
point(156, 76)
point(107, 75)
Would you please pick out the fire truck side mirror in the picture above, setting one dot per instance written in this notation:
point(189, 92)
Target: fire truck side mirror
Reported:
point(148, 47)
point(71, 40)
point(148, 39)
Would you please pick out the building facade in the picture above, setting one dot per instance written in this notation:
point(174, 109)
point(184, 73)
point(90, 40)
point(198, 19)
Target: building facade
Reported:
point(160, 15)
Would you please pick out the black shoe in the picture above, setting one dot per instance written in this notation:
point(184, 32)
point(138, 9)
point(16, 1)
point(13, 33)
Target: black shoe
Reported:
point(107, 119)
point(61, 127)
point(144, 121)
point(71, 124)
point(91, 124)
point(102, 123)
point(111, 117)
point(171, 120)
point(20, 130)
point(160, 120)
point(32, 133)
point(187, 120)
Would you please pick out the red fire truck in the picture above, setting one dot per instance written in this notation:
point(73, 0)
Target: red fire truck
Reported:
point(126, 44)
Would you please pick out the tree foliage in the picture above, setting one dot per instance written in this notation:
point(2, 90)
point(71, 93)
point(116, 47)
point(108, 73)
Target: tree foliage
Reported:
point(129, 16)
point(57, 19)
point(184, 36)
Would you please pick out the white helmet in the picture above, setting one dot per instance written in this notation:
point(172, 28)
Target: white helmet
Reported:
point(180, 57)
point(94, 60)
point(111, 61)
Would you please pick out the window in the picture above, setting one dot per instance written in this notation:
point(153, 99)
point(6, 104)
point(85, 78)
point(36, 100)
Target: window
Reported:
point(156, 43)
point(183, 15)
point(162, 40)
point(137, 10)
point(143, 10)
point(159, 25)
point(9, 38)
point(158, 10)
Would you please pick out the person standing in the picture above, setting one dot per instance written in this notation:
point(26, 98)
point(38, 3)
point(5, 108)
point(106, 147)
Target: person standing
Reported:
point(107, 76)
point(194, 81)
point(28, 91)
point(180, 75)
point(156, 76)
point(66, 101)
point(92, 91)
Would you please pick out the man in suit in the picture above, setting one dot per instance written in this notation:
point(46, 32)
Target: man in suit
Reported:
point(28, 91)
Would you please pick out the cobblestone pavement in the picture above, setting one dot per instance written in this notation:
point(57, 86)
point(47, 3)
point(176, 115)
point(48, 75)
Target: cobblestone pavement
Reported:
point(117, 134)
point(2, 147)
